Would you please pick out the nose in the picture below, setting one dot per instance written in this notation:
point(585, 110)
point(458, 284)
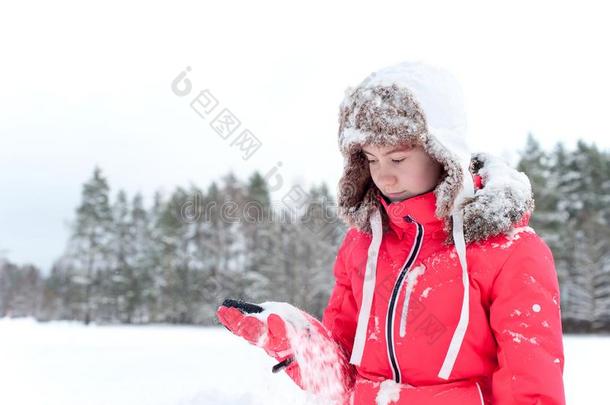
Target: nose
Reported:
point(387, 179)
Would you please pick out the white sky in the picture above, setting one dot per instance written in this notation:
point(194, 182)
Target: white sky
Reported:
point(85, 85)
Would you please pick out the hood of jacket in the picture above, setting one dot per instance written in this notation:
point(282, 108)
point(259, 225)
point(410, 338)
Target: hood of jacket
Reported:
point(419, 104)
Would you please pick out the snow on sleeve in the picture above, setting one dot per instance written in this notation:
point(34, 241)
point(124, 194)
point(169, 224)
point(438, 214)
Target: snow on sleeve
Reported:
point(512, 235)
point(526, 322)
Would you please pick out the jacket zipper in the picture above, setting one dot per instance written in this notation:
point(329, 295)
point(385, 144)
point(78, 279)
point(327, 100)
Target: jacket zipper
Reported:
point(417, 242)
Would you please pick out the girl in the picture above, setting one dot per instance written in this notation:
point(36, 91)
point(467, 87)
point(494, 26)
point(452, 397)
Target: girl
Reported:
point(443, 294)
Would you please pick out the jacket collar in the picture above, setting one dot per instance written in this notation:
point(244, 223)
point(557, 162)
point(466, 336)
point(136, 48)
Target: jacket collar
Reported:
point(420, 208)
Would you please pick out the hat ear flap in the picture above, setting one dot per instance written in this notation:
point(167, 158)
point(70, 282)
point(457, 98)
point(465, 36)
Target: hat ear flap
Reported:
point(355, 181)
point(353, 188)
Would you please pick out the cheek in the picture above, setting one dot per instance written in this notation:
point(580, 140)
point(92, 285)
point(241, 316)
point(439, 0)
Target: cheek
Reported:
point(374, 174)
point(419, 175)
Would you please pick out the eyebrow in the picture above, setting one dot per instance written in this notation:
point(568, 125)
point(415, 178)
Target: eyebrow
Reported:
point(397, 149)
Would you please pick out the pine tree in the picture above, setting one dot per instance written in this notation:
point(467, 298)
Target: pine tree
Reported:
point(257, 230)
point(156, 301)
point(142, 292)
point(21, 290)
point(208, 245)
point(177, 290)
point(534, 161)
point(320, 232)
point(87, 257)
point(232, 240)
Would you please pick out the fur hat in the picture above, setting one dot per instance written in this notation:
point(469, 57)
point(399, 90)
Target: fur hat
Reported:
point(419, 104)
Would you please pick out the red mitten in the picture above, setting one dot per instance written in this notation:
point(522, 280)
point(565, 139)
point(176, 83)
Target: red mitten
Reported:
point(300, 343)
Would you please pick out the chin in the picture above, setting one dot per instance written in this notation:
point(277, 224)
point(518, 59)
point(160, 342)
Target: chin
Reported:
point(399, 197)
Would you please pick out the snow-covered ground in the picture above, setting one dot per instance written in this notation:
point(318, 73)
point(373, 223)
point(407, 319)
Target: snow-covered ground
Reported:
point(68, 363)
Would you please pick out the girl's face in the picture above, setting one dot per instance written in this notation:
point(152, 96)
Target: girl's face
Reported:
point(401, 172)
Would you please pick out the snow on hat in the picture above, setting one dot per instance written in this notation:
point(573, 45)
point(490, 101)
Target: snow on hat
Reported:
point(418, 104)
point(410, 103)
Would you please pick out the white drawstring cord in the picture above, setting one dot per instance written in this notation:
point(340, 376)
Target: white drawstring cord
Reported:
point(460, 246)
point(368, 289)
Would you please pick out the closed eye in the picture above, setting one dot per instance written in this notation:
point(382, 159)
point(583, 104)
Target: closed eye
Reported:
point(397, 160)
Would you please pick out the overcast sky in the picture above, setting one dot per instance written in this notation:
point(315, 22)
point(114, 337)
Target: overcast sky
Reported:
point(85, 85)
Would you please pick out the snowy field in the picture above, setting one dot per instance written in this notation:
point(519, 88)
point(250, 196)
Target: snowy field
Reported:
point(68, 363)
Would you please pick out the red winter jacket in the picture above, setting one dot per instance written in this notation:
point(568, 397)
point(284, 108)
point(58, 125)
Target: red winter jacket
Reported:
point(512, 351)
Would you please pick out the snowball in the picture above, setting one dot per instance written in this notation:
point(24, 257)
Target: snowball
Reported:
point(389, 391)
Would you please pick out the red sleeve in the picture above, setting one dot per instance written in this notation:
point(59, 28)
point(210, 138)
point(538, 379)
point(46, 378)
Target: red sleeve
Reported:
point(341, 313)
point(526, 320)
